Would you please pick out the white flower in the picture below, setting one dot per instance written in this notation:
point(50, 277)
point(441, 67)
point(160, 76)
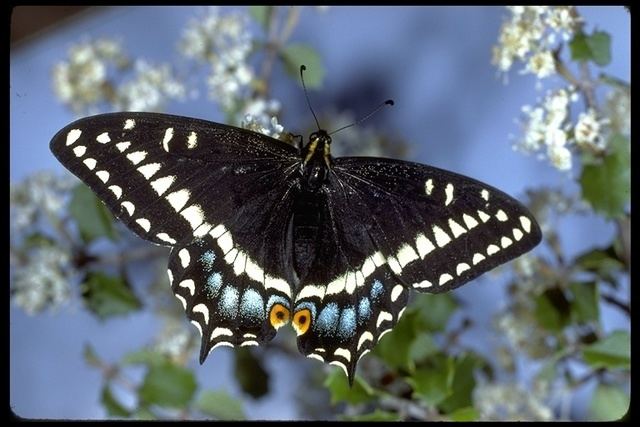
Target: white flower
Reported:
point(556, 105)
point(588, 130)
point(150, 89)
point(509, 402)
point(560, 157)
point(224, 42)
point(42, 280)
point(534, 129)
point(542, 64)
point(564, 20)
point(226, 83)
point(173, 339)
point(39, 193)
point(82, 79)
point(217, 38)
point(530, 35)
point(260, 117)
point(547, 125)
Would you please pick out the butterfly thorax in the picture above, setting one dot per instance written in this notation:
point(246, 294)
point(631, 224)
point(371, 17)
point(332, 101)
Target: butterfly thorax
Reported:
point(316, 161)
point(308, 210)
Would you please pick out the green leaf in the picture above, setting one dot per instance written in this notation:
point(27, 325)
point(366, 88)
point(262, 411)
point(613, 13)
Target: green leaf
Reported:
point(38, 240)
point(584, 307)
point(463, 383)
point(612, 352)
point(92, 216)
point(297, 54)
point(608, 403)
point(377, 415)
point(338, 386)
point(395, 348)
point(579, 48)
point(603, 262)
point(552, 309)
point(250, 373)
point(433, 382)
point(595, 48)
point(262, 15)
point(468, 413)
point(144, 357)
point(108, 296)
point(112, 405)
point(607, 186)
point(433, 311)
point(422, 347)
point(220, 405)
point(168, 385)
point(600, 46)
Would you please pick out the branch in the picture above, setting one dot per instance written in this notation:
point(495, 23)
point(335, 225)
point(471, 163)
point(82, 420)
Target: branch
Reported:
point(618, 303)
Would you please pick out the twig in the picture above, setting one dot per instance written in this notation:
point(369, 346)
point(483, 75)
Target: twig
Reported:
point(620, 304)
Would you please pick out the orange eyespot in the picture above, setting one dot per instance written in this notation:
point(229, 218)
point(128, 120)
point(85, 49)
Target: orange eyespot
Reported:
point(279, 316)
point(302, 321)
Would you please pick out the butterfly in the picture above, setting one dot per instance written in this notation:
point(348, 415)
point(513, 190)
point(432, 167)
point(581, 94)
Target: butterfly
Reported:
point(264, 233)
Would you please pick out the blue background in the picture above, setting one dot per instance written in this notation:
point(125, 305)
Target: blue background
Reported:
point(451, 106)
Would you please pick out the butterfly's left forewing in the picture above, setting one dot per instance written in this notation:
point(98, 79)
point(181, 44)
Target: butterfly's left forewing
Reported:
point(219, 196)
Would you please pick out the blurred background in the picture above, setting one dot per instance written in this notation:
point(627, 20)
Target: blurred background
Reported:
point(454, 109)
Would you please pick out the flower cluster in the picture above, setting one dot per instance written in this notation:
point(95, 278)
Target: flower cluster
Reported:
point(41, 278)
point(547, 126)
point(82, 80)
point(40, 268)
point(173, 340)
point(509, 402)
point(39, 194)
point(223, 42)
point(260, 116)
point(530, 36)
point(150, 89)
point(87, 80)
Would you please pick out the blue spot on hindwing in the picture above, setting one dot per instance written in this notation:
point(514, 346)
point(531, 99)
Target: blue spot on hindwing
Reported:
point(364, 310)
point(213, 285)
point(347, 326)
point(207, 260)
point(252, 305)
point(376, 290)
point(328, 319)
point(228, 304)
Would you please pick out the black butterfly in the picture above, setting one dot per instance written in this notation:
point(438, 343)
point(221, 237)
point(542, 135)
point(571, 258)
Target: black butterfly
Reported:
point(264, 233)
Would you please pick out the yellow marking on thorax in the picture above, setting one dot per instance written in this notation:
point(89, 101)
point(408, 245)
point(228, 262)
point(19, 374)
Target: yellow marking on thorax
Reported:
point(327, 154)
point(312, 149)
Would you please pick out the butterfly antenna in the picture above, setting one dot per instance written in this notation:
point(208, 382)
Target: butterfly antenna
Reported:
point(306, 95)
point(357, 122)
